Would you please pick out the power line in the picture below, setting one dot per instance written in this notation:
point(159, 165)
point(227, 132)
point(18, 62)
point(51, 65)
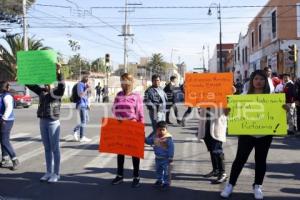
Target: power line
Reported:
point(80, 26)
point(148, 25)
point(174, 7)
point(85, 38)
point(192, 7)
point(139, 46)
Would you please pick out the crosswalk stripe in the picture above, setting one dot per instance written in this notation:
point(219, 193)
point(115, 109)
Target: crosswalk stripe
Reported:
point(101, 160)
point(72, 152)
point(148, 161)
point(38, 151)
point(18, 145)
point(19, 135)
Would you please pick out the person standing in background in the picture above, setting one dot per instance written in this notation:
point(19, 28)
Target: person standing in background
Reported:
point(156, 100)
point(82, 105)
point(169, 90)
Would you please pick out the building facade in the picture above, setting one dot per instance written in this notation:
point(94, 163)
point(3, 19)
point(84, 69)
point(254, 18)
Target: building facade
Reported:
point(270, 33)
point(241, 58)
point(214, 62)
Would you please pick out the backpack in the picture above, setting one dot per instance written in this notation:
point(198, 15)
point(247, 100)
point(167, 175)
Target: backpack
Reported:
point(74, 96)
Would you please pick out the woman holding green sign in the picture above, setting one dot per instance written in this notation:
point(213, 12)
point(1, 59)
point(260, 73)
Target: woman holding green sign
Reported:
point(258, 85)
point(49, 112)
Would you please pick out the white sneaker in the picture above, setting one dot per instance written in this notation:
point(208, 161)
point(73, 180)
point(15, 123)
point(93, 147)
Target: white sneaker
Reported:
point(257, 190)
point(227, 191)
point(75, 135)
point(85, 139)
point(54, 178)
point(46, 177)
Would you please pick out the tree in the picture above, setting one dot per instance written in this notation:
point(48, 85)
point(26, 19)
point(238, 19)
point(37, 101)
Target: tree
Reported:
point(11, 11)
point(98, 65)
point(8, 52)
point(157, 64)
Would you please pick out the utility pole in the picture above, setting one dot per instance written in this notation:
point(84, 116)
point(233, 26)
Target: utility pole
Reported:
point(203, 58)
point(126, 33)
point(25, 36)
point(208, 57)
point(218, 7)
point(221, 50)
point(125, 38)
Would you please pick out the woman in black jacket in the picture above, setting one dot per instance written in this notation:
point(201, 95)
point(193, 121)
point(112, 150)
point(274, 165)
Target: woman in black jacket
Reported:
point(48, 112)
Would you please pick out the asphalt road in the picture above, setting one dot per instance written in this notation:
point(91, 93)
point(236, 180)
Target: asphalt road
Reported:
point(87, 174)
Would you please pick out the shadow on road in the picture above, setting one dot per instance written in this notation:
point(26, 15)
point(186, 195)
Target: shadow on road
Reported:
point(89, 185)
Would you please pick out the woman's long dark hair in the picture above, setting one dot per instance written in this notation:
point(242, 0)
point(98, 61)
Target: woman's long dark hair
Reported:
point(4, 86)
point(263, 74)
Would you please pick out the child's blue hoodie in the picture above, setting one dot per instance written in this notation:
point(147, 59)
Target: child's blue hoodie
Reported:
point(163, 146)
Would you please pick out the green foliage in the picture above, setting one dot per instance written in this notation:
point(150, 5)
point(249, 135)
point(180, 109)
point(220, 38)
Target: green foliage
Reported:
point(98, 65)
point(8, 52)
point(157, 64)
point(13, 7)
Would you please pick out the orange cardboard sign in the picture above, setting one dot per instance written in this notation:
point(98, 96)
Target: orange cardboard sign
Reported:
point(122, 137)
point(207, 89)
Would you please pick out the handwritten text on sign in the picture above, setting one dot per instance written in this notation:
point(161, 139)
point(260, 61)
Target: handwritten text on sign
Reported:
point(122, 137)
point(207, 89)
point(257, 114)
point(36, 67)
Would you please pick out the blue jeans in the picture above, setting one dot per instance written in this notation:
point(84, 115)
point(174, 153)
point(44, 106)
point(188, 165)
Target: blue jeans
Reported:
point(154, 118)
point(6, 147)
point(83, 113)
point(50, 131)
point(163, 170)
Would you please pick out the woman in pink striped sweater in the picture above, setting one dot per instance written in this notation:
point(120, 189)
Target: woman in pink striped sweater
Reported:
point(128, 105)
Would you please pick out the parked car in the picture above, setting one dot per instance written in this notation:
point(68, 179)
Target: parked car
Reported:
point(21, 99)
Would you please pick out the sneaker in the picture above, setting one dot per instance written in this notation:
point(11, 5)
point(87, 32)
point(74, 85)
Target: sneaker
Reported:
point(54, 178)
point(15, 163)
point(213, 173)
point(179, 122)
point(227, 191)
point(118, 180)
point(136, 182)
point(5, 163)
point(85, 139)
point(46, 177)
point(221, 179)
point(169, 123)
point(257, 190)
point(157, 184)
point(75, 135)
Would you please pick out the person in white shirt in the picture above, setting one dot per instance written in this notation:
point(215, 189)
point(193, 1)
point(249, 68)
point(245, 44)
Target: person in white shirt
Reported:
point(268, 70)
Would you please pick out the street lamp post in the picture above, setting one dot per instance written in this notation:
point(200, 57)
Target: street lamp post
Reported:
point(218, 7)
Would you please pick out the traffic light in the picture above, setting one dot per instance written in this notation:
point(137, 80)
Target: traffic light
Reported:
point(107, 58)
point(292, 53)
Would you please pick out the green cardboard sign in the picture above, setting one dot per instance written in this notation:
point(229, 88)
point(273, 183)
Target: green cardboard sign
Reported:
point(36, 67)
point(261, 114)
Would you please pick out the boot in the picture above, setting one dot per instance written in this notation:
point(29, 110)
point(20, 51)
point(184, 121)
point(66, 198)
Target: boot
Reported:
point(214, 172)
point(222, 176)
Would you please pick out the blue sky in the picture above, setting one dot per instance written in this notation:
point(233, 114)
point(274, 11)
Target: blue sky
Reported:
point(183, 30)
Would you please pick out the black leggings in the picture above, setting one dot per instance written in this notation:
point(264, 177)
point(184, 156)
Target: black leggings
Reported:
point(135, 163)
point(245, 146)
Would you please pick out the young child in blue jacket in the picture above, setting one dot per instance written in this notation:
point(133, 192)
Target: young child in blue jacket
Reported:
point(164, 152)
